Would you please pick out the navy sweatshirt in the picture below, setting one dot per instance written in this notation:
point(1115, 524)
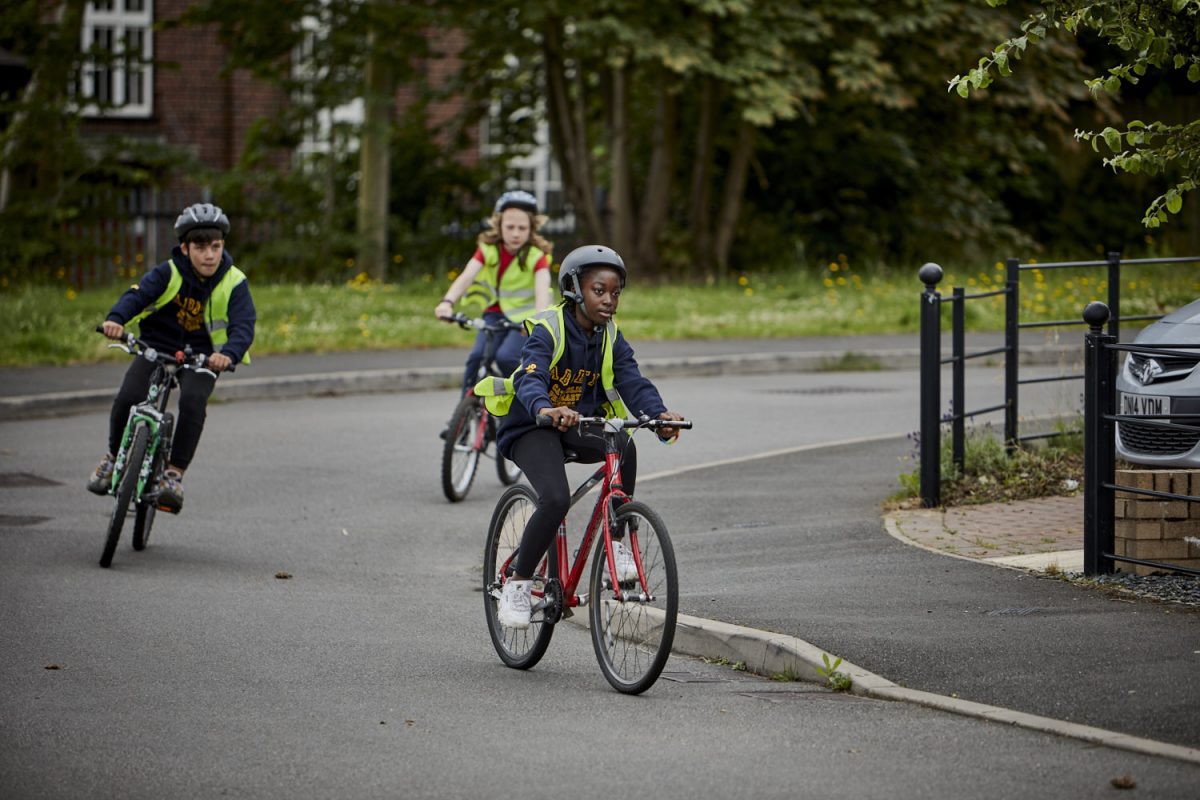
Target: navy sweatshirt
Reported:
point(574, 381)
point(181, 321)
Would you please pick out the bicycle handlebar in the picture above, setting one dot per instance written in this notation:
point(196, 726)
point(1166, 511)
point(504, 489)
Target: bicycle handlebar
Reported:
point(463, 321)
point(615, 424)
point(181, 358)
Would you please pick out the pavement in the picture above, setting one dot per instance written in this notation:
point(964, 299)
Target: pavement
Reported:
point(1038, 536)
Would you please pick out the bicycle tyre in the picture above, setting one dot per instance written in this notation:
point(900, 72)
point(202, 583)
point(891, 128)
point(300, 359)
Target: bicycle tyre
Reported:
point(633, 639)
point(460, 458)
point(125, 490)
point(143, 518)
point(508, 472)
point(519, 649)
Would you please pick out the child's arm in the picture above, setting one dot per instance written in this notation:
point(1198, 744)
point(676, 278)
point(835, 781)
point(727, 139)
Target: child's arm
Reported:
point(445, 308)
point(140, 296)
point(242, 319)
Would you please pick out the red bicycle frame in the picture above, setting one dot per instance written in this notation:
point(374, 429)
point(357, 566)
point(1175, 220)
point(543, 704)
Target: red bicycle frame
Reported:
point(609, 476)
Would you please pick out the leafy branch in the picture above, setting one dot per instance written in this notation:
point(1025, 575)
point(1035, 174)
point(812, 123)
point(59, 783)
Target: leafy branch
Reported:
point(1159, 35)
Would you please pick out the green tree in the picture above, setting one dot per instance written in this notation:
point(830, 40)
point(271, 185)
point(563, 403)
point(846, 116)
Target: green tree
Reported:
point(49, 177)
point(1154, 35)
point(324, 56)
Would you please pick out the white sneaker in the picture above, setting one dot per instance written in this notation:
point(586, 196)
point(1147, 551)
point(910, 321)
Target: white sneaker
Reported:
point(626, 566)
point(514, 611)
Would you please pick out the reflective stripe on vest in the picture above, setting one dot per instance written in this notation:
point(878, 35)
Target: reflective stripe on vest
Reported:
point(498, 393)
point(515, 294)
point(216, 309)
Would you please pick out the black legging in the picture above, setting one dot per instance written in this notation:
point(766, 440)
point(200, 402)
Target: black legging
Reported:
point(539, 454)
point(194, 389)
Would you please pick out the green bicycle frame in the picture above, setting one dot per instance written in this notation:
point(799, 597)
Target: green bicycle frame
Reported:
point(145, 411)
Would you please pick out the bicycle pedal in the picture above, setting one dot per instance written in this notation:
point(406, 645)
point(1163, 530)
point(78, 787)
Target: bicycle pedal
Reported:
point(567, 613)
point(168, 509)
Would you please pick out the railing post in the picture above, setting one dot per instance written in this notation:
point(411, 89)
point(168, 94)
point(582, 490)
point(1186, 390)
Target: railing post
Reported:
point(958, 390)
point(1012, 319)
point(1099, 445)
point(931, 385)
point(1114, 294)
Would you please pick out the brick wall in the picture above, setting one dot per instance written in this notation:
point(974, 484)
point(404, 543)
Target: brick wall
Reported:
point(1157, 529)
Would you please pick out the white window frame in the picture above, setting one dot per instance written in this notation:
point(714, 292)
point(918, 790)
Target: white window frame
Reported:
point(318, 134)
point(115, 17)
point(537, 171)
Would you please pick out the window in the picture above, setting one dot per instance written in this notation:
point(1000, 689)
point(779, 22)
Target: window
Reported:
point(117, 75)
point(324, 127)
point(530, 162)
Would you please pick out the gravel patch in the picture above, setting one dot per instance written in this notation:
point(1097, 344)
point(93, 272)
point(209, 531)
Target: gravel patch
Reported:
point(1163, 588)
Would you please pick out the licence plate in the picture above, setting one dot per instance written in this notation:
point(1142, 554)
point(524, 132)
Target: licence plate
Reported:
point(1141, 405)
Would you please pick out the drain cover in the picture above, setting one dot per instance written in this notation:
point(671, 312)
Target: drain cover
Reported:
point(690, 677)
point(13, 480)
point(1014, 612)
point(800, 695)
point(12, 521)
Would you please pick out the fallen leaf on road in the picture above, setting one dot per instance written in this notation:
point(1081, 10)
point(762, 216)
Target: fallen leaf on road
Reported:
point(283, 576)
point(1125, 781)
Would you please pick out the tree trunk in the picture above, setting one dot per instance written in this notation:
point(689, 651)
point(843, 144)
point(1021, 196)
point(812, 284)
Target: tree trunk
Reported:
point(621, 202)
point(374, 163)
point(568, 134)
point(735, 187)
point(656, 195)
point(699, 201)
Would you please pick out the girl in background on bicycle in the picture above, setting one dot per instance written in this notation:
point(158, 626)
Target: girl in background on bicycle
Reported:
point(196, 297)
point(574, 363)
point(509, 274)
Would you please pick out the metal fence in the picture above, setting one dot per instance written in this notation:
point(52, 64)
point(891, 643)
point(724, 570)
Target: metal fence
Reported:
point(932, 361)
point(1100, 437)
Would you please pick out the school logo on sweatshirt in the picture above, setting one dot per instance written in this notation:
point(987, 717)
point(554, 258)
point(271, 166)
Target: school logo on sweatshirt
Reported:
point(190, 313)
point(567, 385)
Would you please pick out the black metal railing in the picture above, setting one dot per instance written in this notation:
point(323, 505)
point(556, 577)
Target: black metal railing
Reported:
point(1100, 442)
point(931, 380)
point(931, 360)
point(1013, 326)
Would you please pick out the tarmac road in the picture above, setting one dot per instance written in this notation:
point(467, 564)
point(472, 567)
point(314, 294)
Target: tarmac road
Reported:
point(191, 670)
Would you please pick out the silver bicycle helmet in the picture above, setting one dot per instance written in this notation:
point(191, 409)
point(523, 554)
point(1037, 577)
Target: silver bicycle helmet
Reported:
point(582, 258)
point(201, 215)
point(517, 198)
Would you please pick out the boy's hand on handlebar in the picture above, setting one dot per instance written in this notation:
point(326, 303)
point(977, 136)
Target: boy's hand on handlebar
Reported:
point(562, 417)
point(218, 362)
point(113, 330)
point(443, 310)
point(665, 433)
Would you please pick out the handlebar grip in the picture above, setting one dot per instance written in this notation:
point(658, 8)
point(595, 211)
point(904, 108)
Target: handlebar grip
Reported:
point(542, 421)
point(683, 424)
point(99, 329)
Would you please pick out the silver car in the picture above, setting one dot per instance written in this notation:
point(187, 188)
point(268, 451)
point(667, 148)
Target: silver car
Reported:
point(1162, 383)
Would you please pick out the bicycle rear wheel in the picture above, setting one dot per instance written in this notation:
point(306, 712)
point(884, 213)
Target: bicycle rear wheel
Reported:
point(125, 490)
point(143, 518)
point(517, 648)
point(460, 457)
point(508, 472)
point(633, 637)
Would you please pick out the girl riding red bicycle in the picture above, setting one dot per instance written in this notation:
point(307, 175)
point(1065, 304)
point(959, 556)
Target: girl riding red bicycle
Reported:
point(575, 363)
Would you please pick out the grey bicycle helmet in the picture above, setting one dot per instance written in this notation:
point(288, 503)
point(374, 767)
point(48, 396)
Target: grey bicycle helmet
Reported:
point(201, 215)
point(583, 258)
point(517, 198)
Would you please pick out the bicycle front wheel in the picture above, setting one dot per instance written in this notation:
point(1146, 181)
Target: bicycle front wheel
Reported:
point(460, 456)
point(125, 490)
point(517, 648)
point(632, 636)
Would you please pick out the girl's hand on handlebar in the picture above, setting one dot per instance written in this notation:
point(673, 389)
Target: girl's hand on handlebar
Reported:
point(113, 330)
point(218, 362)
point(443, 310)
point(665, 433)
point(562, 417)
